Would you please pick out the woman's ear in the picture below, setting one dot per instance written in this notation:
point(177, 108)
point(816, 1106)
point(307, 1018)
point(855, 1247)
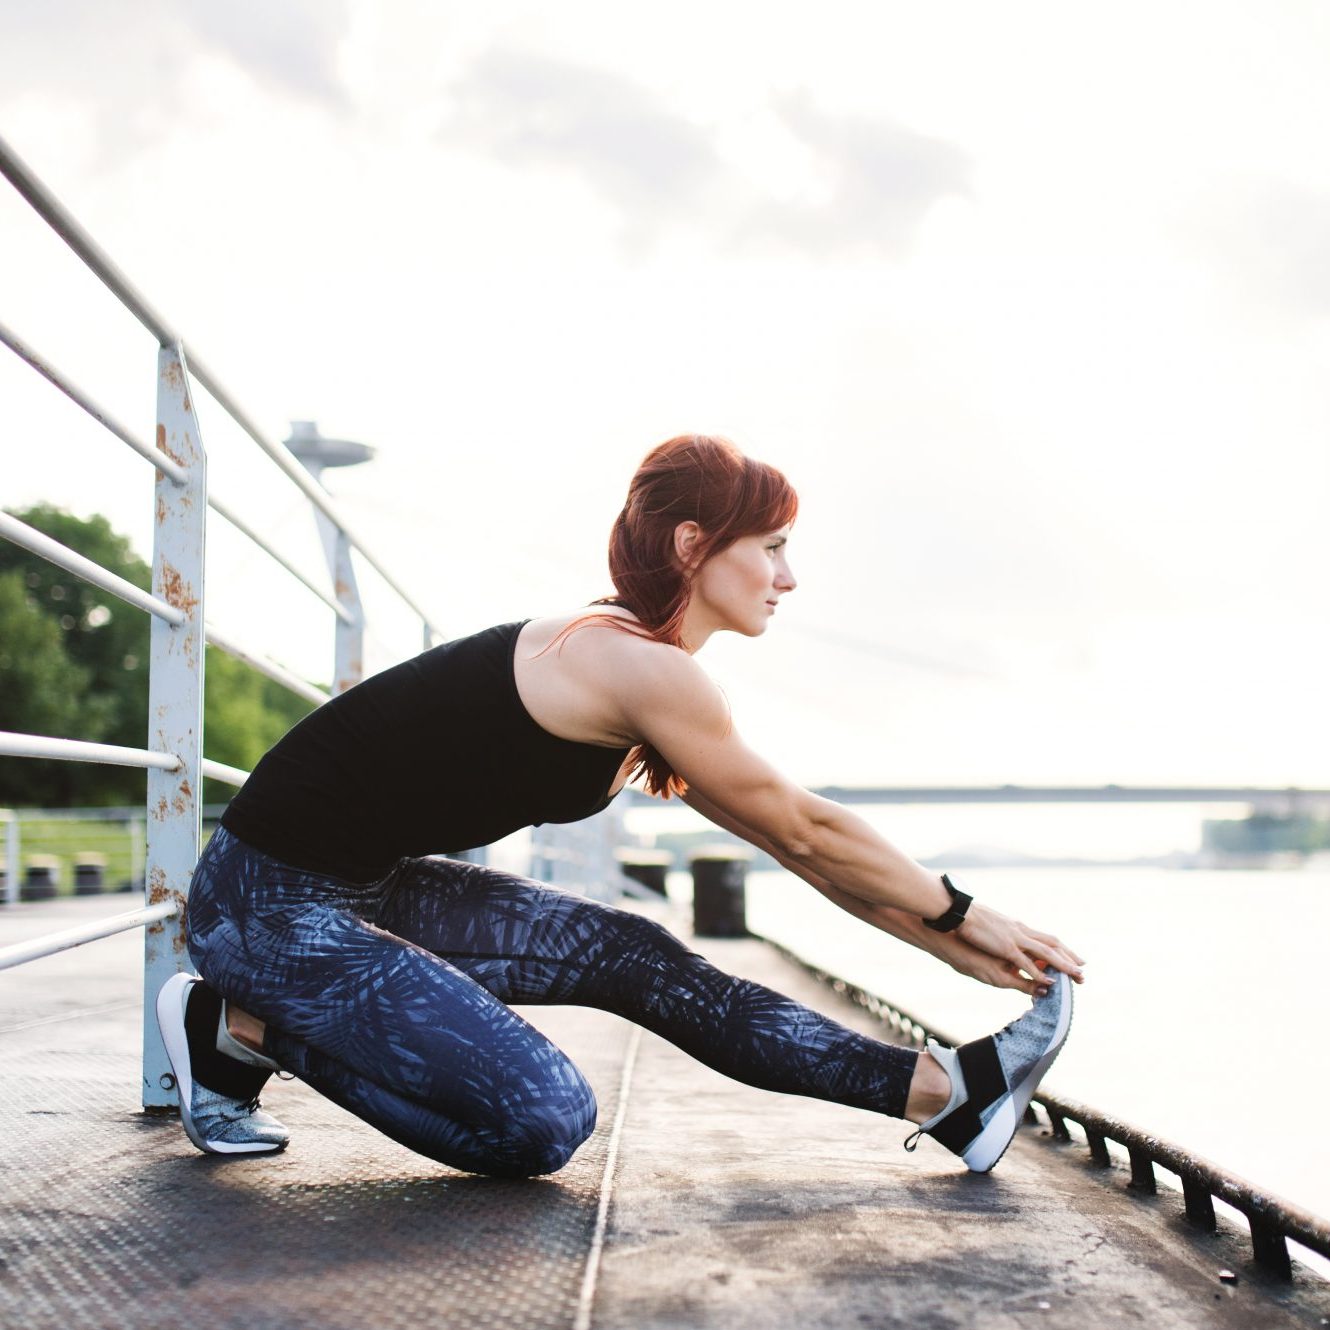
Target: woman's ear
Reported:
point(686, 537)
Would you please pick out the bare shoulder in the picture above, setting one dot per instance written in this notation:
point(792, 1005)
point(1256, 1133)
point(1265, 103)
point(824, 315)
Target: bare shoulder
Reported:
point(631, 658)
point(621, 676)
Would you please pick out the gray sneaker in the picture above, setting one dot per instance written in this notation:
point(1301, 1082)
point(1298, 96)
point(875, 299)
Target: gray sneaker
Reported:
point(993, 1079)
point(215, 1122)
point(230, 1126)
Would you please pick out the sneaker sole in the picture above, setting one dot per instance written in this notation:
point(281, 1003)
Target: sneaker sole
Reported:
point(983, 1153)
point(171, 999)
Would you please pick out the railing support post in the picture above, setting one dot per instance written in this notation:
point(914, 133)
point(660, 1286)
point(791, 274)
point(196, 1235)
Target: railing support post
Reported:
point(315, 453)
point(175, 704)
point(12, 835)
point(349, 647)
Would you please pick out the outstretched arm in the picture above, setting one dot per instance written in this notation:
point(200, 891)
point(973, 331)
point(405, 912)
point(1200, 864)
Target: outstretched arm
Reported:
point(951, 948)
point(664, 697)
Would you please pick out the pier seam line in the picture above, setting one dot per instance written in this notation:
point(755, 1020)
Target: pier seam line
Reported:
point(582, 1320)
point(70, 1015)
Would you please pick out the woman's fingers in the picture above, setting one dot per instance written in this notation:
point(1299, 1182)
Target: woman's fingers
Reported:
point(1051, 952)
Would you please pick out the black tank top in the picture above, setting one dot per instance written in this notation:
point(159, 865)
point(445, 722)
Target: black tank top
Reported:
point(436, 754)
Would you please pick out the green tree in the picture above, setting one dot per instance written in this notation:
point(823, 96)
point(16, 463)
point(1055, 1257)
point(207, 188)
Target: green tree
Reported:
point(41, 691)
point(74, 664)
point(244, 714)
point(99, 634)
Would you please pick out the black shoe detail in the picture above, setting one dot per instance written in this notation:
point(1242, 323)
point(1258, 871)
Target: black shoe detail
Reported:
point(209, 1067)
point(984, 1084)
point(984, 1080)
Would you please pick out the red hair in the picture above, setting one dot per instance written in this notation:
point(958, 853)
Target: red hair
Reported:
point(691, 478)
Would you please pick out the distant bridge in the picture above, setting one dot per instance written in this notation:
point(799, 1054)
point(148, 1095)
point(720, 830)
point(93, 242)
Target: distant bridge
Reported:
point(1284, 800)
point(1280, 800)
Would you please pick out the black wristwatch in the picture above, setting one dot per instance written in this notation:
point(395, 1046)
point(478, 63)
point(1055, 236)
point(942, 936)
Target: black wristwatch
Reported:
point(960, 902)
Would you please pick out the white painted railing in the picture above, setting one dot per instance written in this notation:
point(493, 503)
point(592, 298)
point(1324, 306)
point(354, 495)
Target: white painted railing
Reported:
point(578, 857)
point(173, 759)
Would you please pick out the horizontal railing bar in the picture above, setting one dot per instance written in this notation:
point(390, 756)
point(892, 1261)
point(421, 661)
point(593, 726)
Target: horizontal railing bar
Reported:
point(261, 541)
point(1267, 1213)
point(78, 750)
point(101, 813)
point(278, 673)
point(50, 943)
point(220, 771)
point(71, 561)
point(103, 417)
point(160, 460)
point(54, 213)
point(68, 229)
point(310, 487)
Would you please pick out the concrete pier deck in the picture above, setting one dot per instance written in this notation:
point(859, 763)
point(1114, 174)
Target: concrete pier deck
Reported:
point(724, 1207)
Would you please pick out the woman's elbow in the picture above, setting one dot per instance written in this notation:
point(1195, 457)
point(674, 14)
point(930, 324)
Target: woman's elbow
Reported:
point(801, 836)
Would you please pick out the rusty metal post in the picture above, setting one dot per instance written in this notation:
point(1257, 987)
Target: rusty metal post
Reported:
point(315, 453)
point(1270, 1249)
point(12, 835)
point(1200, 1204)
point(1142, 1171)
point(349, 645)
point(175, 703)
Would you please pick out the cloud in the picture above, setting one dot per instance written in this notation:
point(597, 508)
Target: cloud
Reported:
point(642, 158)
point(882, 177)
point(292, 45)
point(873, 180)
point(127, 70)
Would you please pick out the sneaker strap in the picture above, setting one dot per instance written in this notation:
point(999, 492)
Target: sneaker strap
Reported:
point(948, 1060)
point(227, 1043)
point(976, 1067)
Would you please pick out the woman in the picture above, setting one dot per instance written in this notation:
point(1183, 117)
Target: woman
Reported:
point(330, 946)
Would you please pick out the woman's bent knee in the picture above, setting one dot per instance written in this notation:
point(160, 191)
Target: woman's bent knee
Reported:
point(537, 1135)
point(542, 1137)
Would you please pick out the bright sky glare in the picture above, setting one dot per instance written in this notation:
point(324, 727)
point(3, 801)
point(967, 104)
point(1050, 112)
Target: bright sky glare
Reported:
point(1029, 301)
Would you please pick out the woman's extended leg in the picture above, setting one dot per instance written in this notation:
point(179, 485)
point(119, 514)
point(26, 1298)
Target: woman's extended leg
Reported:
point(525, 942)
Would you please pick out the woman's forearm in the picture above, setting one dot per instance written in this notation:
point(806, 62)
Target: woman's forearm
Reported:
point(897, 922)
point(1006, 953)
point(843, 849)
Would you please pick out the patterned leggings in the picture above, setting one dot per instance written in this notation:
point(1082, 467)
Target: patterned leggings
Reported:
point(390, 999)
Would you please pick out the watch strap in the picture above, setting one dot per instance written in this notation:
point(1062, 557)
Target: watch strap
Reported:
point(951, 918)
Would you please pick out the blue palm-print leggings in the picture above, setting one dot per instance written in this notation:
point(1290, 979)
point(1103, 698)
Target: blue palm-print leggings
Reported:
point(391, 999)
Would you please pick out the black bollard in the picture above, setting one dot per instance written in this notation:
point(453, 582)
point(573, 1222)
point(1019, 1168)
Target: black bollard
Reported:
point(719, 873)
point(89, 874)
point(39, 884)
point(645, 866)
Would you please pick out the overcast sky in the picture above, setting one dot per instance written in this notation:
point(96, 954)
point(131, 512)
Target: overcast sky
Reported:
point(1030, 301)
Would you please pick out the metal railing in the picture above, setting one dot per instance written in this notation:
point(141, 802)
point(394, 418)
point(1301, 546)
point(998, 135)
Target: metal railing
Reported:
point(173, 760)
point(1273, 1222)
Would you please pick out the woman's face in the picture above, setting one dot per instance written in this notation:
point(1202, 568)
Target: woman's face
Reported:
point(738, 589)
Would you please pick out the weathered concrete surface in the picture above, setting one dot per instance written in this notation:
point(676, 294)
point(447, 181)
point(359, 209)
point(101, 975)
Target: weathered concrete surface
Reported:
point(738, 1208)
point(731, 1207)
point(109, 1218)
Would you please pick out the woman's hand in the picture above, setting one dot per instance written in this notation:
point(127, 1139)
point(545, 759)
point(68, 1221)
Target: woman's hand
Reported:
point(956, 949)
point(995, 949)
